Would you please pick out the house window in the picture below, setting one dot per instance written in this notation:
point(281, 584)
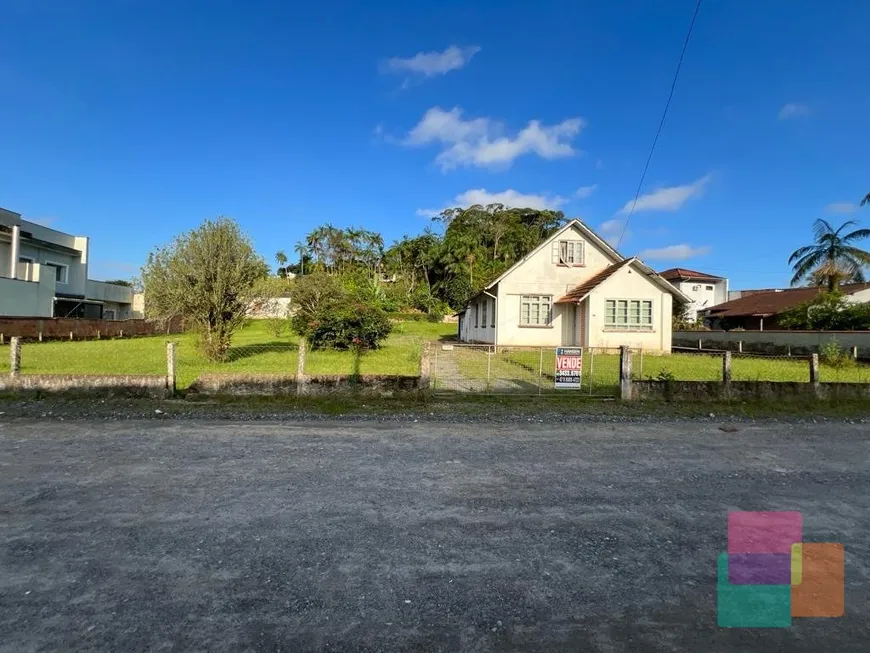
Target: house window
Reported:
point(709, 287)
point(628, 314)
point(61, 271)
point(476, 315)
point(493, 314)
point(483, 306)
point(570, 252)
point(535, 310)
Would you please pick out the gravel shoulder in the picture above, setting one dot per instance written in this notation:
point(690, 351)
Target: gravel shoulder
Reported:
point(373, 535)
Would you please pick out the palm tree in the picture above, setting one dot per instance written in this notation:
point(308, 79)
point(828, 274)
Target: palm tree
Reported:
point(302, 249)
point(832, 258)
point(281, 260)
point(866, 199)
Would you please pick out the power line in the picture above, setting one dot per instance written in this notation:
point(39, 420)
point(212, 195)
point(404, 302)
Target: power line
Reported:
point(661, 122)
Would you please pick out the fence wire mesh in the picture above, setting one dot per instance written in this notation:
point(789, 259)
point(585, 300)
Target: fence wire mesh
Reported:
point(522, 370)
point(279, 358)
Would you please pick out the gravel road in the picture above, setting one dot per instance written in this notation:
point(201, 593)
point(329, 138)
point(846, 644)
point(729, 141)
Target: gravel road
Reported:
point(188, 535)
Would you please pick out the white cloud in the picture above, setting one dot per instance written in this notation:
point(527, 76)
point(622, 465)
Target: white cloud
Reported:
point(510, 198)
point(585, 191)
point(674, 252)
point(667, 199)
point(841, 208)
point(480, 141)
point(430, 64)
point(611, 230)
point(793, 110)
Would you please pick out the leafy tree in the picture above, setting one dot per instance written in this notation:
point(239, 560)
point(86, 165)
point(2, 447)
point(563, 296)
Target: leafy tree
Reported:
point(206, 275)
point(120, 282)
point(829, 311)
point(832, 257)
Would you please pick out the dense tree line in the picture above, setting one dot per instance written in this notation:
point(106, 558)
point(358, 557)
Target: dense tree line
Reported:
point(441, 268)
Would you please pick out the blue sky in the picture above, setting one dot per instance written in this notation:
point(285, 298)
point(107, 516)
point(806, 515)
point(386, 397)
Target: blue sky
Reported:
point(133, 120)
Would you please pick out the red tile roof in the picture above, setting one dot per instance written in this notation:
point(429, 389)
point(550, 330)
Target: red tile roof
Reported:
point(577, 294)
point(765, 303)
point(684, 274)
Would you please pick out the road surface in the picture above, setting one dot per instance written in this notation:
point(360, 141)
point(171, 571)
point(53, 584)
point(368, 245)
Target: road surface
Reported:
point(369, 536)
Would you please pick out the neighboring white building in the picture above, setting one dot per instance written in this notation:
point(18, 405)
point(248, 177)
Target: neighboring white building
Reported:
point(573, 289)
point(705, 290)
point(44, 273)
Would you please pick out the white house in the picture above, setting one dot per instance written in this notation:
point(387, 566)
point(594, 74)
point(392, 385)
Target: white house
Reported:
point(705, 290)
point(44, 273)
point(573, 289)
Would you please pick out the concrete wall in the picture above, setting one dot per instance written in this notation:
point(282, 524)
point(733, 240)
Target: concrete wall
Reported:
point(108, 292)
point(287, 384)
point(31, 298)
point(126, 385)
point(798, 343)
point(742, 390)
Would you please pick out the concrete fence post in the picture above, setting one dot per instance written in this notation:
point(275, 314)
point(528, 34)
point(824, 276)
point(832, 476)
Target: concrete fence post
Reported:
point(739, 346)
point(170, 367)
point(301, 379)
point(425, 366)
point(488, 366)
point(14, 356)
point(814, 374)
point(625, 373)
point(854, 352)
point(726, 373)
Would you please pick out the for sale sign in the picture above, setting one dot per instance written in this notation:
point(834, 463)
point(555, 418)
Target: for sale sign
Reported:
point(569, 367)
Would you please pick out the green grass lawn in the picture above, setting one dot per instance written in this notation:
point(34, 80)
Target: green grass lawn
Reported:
point(254, 350)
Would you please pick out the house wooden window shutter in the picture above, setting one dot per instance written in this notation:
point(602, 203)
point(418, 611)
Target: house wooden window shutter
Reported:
point(555, 255)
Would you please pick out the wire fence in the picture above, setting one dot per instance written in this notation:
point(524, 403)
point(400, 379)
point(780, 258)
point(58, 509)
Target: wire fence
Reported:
point(523, 370)
point(452, 367)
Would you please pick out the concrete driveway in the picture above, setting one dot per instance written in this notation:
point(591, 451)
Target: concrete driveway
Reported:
point(366, 536)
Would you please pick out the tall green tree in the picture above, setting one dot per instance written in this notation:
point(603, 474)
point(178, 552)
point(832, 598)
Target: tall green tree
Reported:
point(207, 276)
point(832, 258)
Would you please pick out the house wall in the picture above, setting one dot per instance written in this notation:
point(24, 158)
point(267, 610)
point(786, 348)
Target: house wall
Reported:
point(31, 298)
point(540, 276)
point(77, 265)
point(628, 283)
point(483, 333)
point(704, 294)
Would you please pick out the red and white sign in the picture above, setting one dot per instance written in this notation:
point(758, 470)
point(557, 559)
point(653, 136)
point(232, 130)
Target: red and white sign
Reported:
point(569, 367)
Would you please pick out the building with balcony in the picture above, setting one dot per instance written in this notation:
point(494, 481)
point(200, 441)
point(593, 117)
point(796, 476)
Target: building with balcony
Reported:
point(44, 273)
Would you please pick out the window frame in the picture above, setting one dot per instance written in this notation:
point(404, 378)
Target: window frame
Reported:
point(484, 306)
point(629, 314)
point(493, 315)
point(539, 302)
point(64, 270)
point(572, 246)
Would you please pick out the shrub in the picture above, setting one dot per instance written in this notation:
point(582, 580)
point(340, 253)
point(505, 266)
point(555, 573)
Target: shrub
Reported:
point(347, 327)
point(833, 355)
point(276, 325)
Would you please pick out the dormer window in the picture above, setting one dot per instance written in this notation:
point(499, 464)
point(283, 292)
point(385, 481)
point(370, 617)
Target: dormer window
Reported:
point(569, 253)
